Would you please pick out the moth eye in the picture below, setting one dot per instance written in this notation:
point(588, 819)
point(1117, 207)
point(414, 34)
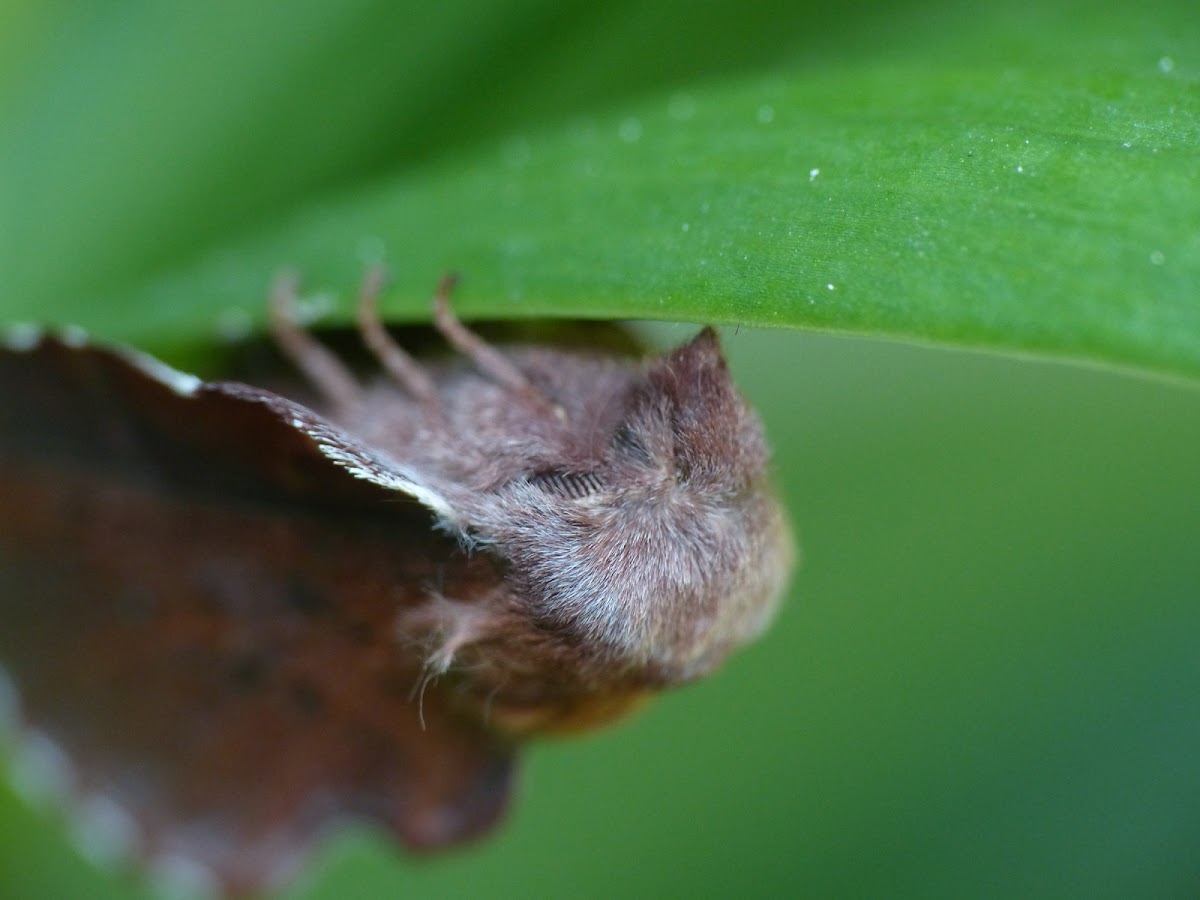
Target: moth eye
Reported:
point(569, 485)
point(631, 445)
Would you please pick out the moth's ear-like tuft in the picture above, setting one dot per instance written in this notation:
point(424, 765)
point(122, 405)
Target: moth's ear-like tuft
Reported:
point(701, 352)
point(707, 341)
point(715, 438)
point(695, 373)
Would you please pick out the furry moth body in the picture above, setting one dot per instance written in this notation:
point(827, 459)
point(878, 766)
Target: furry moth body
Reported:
point(390, 587)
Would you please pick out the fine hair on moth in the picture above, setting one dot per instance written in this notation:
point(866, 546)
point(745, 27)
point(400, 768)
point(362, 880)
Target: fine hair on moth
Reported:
point(353, 597)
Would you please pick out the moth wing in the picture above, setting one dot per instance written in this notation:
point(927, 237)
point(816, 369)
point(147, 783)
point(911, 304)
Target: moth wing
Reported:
point(201, 595)
point(252, 429)
point(338, 447)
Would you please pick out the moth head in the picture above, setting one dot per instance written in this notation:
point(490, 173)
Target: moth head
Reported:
point(672, 550)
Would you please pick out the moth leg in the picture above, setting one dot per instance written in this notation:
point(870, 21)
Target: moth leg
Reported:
point(487, 359)
point(319, 365)
point(398, 363)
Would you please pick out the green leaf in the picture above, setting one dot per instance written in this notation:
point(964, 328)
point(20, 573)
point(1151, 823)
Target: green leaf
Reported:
point(1022, 199)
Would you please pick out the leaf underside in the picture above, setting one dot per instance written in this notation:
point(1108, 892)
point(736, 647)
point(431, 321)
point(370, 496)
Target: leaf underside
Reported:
point(985, 183)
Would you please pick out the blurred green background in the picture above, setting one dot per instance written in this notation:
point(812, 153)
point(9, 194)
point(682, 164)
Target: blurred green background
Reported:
point(985, 680)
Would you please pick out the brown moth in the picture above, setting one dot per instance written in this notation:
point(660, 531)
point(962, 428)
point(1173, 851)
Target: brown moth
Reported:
point(230, 621)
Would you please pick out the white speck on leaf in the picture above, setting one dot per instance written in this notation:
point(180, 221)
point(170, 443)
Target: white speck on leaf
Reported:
point(1157, 258)
point(812, 175)
point(516, 152)
point(630, 130)
point(371, 250)
point(766, 114)
point(1166, 64)
point(681, 107)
